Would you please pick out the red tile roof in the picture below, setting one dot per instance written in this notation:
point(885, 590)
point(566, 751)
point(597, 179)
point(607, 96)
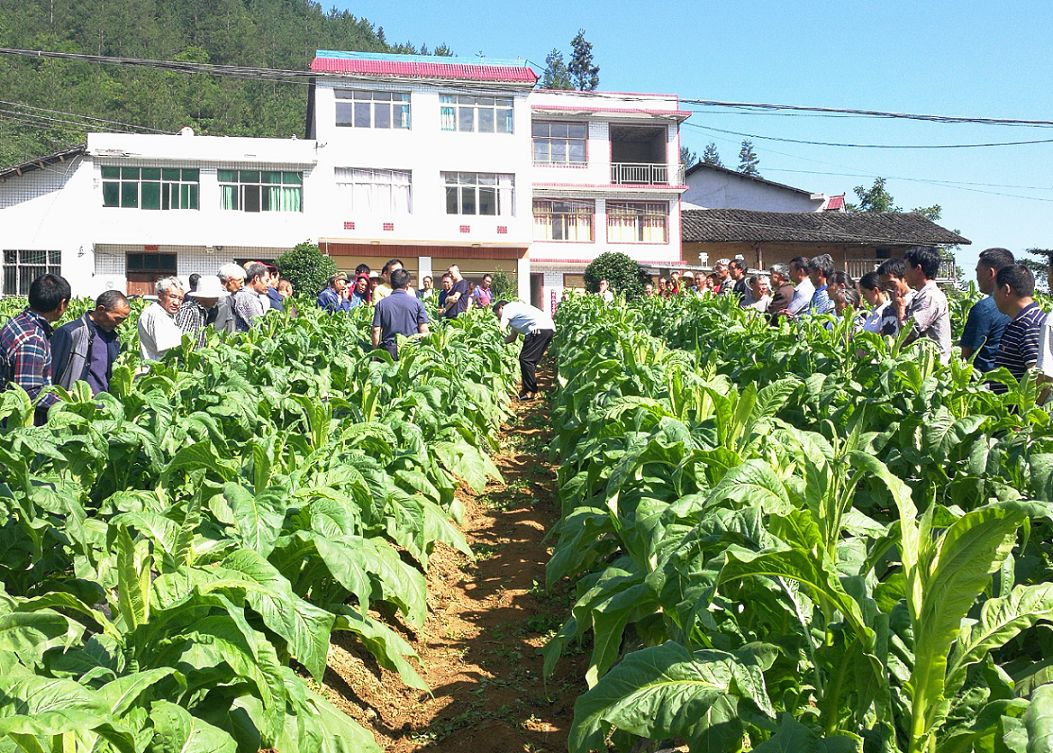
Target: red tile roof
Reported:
point(407, 69)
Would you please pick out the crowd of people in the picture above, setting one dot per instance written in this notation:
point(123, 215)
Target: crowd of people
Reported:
point(35, 354)
point(1006, 328)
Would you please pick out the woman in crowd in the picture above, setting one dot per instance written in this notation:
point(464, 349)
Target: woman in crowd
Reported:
point(877, 298)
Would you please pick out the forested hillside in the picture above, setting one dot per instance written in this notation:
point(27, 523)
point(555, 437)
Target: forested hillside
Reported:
point(262, 33)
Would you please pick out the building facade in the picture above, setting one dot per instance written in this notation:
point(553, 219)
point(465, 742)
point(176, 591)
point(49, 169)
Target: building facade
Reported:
point(717, 187)
point(433, 160)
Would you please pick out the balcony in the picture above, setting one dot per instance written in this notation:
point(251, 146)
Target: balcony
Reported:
point(645, 174)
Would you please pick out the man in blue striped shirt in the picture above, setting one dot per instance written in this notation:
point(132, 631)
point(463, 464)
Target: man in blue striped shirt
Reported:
point(1018, 350)
point(819, 270)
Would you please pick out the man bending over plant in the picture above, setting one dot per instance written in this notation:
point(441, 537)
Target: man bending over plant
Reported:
point(537, 329)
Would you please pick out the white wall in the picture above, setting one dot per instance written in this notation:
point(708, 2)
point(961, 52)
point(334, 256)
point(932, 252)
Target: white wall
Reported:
point(710, 189)
point(427, 151)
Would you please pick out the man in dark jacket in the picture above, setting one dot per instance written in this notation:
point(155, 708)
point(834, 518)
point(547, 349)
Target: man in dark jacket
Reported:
point(86, 348)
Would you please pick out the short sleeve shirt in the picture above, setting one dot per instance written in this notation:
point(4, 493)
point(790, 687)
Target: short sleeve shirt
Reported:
point(525, 319)
point(398, 314)
point(983, 332)
point(1019, 348)
point(157, 332)
point(461, 286)
point(932, 319)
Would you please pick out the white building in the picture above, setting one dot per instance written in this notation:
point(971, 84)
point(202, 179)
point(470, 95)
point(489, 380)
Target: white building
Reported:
point(432, 160)
point(715, 187)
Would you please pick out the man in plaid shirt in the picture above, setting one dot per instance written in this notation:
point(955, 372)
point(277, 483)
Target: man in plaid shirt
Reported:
point(25, 341)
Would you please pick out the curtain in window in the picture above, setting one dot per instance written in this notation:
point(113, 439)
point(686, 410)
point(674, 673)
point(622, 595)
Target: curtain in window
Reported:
point(653, 229)
point(400, 192)
point(284, 198)
point(229, 196)
point(448, 117)
point(505, 196)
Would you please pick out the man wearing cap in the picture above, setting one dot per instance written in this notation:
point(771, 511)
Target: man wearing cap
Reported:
point(335, 297)
point(688, 279)
point(537, 329)
point(200, 309)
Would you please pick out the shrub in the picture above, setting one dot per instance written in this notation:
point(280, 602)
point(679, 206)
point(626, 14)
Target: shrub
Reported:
point(505, 287)
point(307, 268)
point(624, 275)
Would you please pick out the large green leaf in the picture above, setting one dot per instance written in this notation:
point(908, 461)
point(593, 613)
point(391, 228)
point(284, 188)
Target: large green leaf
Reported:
point(259, 517)
point(1038, 720)
point(666, 691)
point(304, 627)
point(178, 731)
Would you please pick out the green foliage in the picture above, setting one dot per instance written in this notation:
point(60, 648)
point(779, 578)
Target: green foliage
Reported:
point(687, 157)
point(711, 156)
point(504, 286)
point(262, 33)
point(797, 537)
point(306, 267)
point(583, 73)
point(625, 276)
point(556, 75)
point(748, 159)
point(877, 198)
point(171, 548)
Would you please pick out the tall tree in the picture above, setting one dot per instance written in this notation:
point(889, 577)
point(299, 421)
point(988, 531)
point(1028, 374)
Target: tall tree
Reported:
point(877, 198)
point(584, 75)
point(711, 156)
point(748, 160)
point(556, 74)
point(687, 156)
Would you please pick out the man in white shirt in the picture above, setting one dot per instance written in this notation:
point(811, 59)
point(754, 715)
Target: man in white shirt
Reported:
point(158, 331)
point(803, 289)
point(605, 291)
point(537, 329)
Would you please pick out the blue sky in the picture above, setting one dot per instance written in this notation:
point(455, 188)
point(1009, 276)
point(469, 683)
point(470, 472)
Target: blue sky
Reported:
point(950, 57)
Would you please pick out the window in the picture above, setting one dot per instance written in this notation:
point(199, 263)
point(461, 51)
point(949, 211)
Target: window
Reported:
point(559, 143)
point(150, 187)
point(563, 220)
point(365, 109)
point(261, 190)
point(22, 266)
point(156, 265)
point(461, 112)
point(479, 193)
point(637, 222)
point(380, 191)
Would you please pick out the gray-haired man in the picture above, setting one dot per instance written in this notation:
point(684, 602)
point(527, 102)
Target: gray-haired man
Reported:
point(158, 332)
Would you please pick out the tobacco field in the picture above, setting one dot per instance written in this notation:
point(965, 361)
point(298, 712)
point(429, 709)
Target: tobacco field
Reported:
point(785, 539)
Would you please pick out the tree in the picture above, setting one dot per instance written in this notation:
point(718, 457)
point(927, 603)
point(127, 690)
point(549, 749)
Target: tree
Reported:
point(748, 159)
point(687, 157)
point(711, 156)
point(1040, 269)
point(584, 75)
point(624, 275)
point(556, 74)
point(878, 199)
point(307, 268)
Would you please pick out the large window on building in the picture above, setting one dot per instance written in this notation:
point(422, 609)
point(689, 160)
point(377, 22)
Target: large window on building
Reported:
point(150, 187)
point(261, 190)
point(479, 193)
point(369, 109)
point(557, 143)
point(563, 220)
point(22, 266)
point(372, 190)
point(462, 112)
point(637, 222)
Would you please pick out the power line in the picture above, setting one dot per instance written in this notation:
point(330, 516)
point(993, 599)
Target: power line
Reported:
point(78, 116)
point(304, 77)
point(869, 146)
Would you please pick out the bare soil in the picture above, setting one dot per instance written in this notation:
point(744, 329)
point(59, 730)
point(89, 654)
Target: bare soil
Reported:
point(488, 620)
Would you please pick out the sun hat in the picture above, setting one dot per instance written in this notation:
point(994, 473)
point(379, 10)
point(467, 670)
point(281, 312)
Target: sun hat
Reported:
point(209, 286)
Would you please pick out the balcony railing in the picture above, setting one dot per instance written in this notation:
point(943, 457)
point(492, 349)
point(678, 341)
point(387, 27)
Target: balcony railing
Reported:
point(856, 268)
point(645, 174)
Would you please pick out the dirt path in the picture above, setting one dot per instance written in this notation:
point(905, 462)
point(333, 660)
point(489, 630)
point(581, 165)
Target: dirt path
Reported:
point(479, 647)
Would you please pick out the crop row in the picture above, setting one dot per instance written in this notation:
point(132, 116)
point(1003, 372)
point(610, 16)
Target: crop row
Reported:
point(175, 555)
point(784, 538)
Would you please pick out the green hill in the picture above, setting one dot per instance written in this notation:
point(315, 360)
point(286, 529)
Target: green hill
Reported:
point(257, 33)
